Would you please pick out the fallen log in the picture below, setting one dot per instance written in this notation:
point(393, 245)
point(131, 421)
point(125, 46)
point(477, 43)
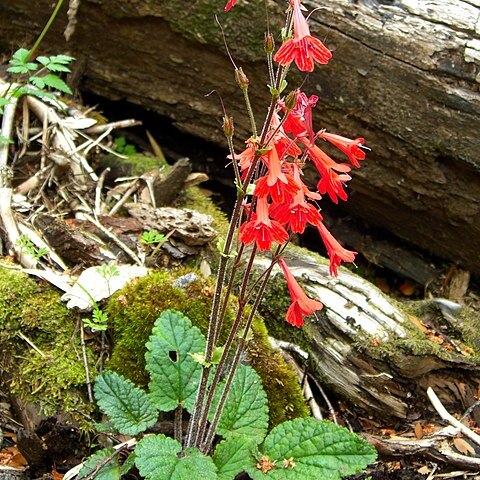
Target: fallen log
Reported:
point(404, 75)
point(375, 354)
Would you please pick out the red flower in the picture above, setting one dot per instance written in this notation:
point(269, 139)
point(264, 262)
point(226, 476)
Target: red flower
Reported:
point(276, 183)
point(303, 49)
point(246, 157)
point(299, 120)
point(297, 213)
point(230, 4)
point(336, 252)
point(330, 182)
point(301, 304)
point(351, 148)
point(261, 229)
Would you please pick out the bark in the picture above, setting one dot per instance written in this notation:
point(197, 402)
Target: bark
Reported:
point(405, 76)
point(373, 352)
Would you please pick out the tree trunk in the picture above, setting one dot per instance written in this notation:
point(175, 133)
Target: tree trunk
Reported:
point(404, 75)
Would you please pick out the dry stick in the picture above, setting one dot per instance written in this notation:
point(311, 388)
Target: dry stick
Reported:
point(125, 197)
point(85, 362)
point(26, 339)
point(441, 410)
point(98, 191)
point(107, 126)
point(6, 215)
point(113, 237)
point(327, 401)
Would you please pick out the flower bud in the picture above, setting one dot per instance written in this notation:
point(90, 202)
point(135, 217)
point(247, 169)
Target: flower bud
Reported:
point(241, 78)
point(291, 100)
point(228, 126)
point(269, 44)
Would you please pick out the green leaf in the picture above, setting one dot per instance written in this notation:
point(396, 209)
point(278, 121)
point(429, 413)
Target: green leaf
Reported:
point(174, 374)
point(4, 140)
point(65, 59)
point(233, 456)
point(127, 407)
point(53, 81)
point(110, 471)
point(246, 408)
point(308, 448)
point(157, 458)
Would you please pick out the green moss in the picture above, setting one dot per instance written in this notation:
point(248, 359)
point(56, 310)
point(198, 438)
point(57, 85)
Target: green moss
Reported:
point(133, 165)
point(135, 308)
point(52, 375)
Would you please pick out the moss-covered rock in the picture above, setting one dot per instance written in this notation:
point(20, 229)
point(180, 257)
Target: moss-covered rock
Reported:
point(135, 308)
point(40, 355)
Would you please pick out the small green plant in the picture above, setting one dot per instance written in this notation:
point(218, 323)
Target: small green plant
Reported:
point(124, 148)
point(153, 237)
point(29, 247)
point(298, 449)
point(99, 320)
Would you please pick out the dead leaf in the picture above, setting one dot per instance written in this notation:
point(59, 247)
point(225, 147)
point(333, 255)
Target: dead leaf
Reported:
point(463, 447)
point(55, 475)
point(418, 431)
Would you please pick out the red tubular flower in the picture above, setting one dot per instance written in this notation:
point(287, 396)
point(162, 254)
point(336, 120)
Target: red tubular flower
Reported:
point(230, 4)
point(351, 148)
point(261, 229)
point(303, 49)
point(330, 182)
point(301, 304)
point(246, 157)
point(276, 183)
point(336, 252)
point(299, 120)
point(297, 213)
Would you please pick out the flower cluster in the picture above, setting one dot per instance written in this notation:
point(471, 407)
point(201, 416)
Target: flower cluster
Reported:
point(282, 204)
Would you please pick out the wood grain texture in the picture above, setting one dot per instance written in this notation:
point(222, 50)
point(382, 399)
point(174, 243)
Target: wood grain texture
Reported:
point(404, 75)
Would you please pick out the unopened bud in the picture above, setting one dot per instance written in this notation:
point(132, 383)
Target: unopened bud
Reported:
point(269, 44)
point(291, 100)
point(241, 78)
point(228, 126)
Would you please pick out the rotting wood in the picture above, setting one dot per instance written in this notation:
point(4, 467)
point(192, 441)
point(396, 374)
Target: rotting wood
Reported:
point(404, 76)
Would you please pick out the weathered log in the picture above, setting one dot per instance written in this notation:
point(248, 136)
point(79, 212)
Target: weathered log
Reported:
point(373, 353)
point(404, 75)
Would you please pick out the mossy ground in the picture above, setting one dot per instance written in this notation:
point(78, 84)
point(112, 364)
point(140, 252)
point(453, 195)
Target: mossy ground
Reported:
point(135, 309)
point(55, 378)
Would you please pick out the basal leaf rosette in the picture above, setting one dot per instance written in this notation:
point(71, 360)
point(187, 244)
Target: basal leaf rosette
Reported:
point(174, 372)
point(158, 458)
point(306, 448)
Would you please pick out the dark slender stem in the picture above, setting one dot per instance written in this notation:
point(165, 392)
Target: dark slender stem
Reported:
point(238, 353)
point(178, 424)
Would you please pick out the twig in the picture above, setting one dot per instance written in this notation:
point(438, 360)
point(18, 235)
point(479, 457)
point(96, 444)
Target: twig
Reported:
point(441, 410)
point(98, 191)
point(26, 339)
point(289, 347)
point(73, 472)
point(113, 237)
point(109, 126)
point(85, 362)
point(124, 198)
point(327, 401)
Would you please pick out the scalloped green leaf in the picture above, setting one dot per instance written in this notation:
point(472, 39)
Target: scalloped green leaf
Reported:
point(127, 406)
point(308, 448)
point(174, 374)
point(246, 408)
point(157, 458)
point(112, 470)
point(233, 455)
